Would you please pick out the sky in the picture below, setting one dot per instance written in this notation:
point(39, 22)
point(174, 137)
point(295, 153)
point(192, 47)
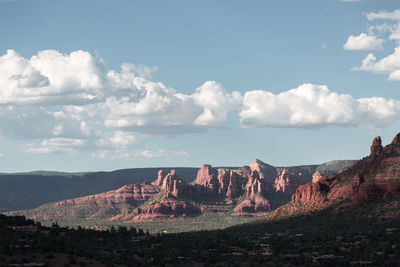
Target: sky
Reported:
point(103, 85)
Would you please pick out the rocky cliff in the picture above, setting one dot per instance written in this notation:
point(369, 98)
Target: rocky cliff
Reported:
point(374, 177)
point(249, 190)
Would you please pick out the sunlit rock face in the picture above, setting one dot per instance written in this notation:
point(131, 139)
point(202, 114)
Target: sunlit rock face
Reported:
point(374, 177)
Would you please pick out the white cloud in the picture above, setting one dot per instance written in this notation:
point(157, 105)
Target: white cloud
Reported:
point(363, 42)
point(60, 98)
point(394, 29)
point(388, 65)
point(55, 145)
point(394, 15)
point(119, 140)
point(395, 34)
point(49, 78)
point(389, 29)
point(216, 103)
point(312, 105)
point(135, 155)
point(70, 103)
point(1, 155)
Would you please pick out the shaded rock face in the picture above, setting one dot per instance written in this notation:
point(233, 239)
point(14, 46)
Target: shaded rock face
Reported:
point(374, 177)
point(376, 147)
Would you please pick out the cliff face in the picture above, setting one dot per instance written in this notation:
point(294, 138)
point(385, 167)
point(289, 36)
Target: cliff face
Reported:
point(374, 177)
point(289, 179)
point(166, 209)
point(249, 190)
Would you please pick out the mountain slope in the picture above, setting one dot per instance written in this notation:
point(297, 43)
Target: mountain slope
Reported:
point(374, 177)
point(250, 190)
point(27, 190)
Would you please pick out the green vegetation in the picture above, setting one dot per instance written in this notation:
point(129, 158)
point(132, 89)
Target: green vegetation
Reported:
point(365, 234)
point(206, 221)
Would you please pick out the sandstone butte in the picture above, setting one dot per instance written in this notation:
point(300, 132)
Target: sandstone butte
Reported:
point(249, 190)
point(376, 176)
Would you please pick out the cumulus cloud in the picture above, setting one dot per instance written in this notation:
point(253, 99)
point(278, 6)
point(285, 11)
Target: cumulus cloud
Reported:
point(391, 29)
point(216, 103)
point(387, 65)
point(312, 105)
point(70, 102)
point(49, 77)
point(363, 42)
point(57, 103)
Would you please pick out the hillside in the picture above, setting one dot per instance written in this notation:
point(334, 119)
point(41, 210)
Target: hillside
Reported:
point(372, 178)
point(30, 190)
point(251, 190)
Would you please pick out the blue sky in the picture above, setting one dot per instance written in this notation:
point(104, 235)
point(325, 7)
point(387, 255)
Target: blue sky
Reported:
point(103, 85)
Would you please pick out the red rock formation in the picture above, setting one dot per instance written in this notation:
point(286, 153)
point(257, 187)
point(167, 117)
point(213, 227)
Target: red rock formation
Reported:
point(160, 178)
point(174, 187)
point(374, 177)
point(222, 182)
point(252, 205)
point(207, 177)
point(255, 187)
point(236, 184)
point(316, 177)
point(133, 193)
point(287, 182)
point(376, 147)
point(265, 171)
point(311, 192)
point(166, 209)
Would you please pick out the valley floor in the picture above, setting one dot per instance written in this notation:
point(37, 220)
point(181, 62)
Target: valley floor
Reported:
point(205, 222)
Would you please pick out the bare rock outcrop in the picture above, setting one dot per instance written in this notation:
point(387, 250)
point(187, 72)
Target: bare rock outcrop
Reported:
point(316, 177)
point(172, 186)
point(265, 171)
point(374, 177)
point(376, 147)
point(166, 209)
point(252, 206)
